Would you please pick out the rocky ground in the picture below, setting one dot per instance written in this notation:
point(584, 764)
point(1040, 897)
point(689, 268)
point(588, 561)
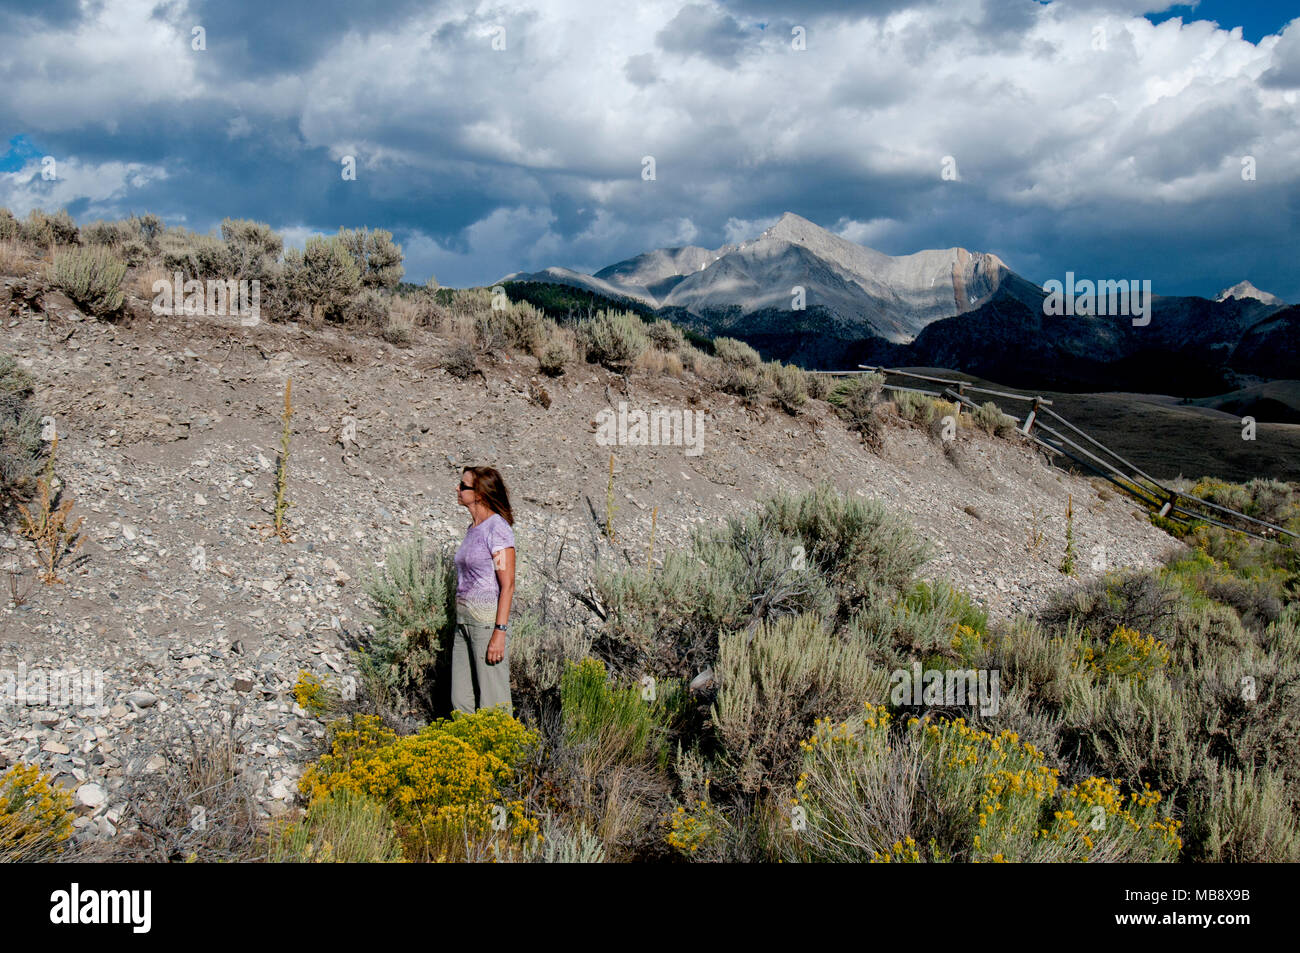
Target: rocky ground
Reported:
point(168, 435)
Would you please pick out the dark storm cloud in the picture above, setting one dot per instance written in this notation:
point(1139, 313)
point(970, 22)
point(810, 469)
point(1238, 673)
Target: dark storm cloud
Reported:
point(488, 162)
point(704, 31)
point(287, 35)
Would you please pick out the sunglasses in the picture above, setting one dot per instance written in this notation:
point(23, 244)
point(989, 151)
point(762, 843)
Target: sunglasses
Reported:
point(464, 487)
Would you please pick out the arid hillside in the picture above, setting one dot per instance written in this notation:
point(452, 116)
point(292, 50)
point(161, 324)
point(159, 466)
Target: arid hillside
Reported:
point(169, 431)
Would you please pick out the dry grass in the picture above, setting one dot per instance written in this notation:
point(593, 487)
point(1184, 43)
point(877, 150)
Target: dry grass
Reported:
point(460, 328)
point(16, 258)
point(200, 805)
point(141, 280)
point(651, 361)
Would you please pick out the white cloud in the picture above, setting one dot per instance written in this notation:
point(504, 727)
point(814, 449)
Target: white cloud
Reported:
point(520, 234)
point(1044, 119)
point(104, 184)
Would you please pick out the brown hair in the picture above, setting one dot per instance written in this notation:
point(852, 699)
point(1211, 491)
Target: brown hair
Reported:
point(491, 489)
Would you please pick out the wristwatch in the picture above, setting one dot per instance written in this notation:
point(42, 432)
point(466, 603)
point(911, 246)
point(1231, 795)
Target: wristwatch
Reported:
point(501, 627)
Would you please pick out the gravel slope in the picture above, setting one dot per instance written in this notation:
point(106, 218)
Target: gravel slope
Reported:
point(168, 436)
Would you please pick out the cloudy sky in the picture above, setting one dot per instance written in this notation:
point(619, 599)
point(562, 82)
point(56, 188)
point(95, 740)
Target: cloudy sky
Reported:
point(1113, 138)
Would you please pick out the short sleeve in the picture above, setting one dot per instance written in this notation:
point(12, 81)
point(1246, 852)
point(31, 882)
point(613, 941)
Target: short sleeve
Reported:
point(500, 535)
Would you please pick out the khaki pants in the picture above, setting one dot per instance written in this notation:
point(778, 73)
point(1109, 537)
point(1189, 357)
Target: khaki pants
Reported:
point(474, 683)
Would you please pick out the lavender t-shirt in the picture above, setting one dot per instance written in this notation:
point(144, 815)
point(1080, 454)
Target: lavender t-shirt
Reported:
point(477, 588)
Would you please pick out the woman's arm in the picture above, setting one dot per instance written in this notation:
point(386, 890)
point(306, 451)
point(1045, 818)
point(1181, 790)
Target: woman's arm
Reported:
point(504, 562)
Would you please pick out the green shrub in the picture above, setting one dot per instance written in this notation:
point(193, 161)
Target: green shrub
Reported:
point(377, 257)
point(665, 335)
point(252, 249)
point(519, 326)
point(341, 827)
point(856, 543)
point(952, 603)
point(744, 382)
point(613, 338)
point(773, 684)
point(666, 621)
point(9, 226)
point(608, 724)
point(922, 408)
point(791, 388)
point(134, 252)
point(556, 350)
point(460, 361)
point(323, 275)
point(990, 418)
point(1141, 600)
point(370, 309)
point(92, 277)
point(857, 400)
point(421, 308)
point(398, 329)
point(20, 434)
point(736, 353)
point(1244, 817)
point(197, 257)
point(539, 656)
point(413, 596)
point(44, 230)
point(112, 234)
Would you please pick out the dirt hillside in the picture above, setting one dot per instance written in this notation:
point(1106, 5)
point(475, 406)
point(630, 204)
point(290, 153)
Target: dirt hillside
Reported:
point(169, 431)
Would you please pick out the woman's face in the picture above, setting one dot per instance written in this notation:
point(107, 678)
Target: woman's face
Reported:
point(465, 496)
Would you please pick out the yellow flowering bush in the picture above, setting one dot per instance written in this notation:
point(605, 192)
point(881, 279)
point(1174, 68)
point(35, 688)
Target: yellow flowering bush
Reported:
point(1128, 653)
point(35, 815)
point(311, 694)
point(438, 783)
point(901, 852)
point(1094, 823)
point(695, 829)
point(867, 793)
point(972, 645)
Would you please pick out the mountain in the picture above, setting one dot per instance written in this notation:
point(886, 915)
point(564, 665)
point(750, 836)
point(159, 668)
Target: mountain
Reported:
point(851, 292)
point(1189, 348)
point(1244, 289)
point(944, 308)
point(1271, 347)
point(576, 279)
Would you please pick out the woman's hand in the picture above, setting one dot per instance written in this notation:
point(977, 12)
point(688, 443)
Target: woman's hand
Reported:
point(496, 649)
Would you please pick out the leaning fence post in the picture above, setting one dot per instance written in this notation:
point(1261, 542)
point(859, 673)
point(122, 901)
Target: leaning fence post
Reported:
point(1169, 504)
point(1029, 417)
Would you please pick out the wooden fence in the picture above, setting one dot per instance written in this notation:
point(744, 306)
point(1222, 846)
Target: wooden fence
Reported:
point(1048, 429)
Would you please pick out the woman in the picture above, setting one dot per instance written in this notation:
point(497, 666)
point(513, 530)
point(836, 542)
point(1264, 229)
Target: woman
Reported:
point(485, 584)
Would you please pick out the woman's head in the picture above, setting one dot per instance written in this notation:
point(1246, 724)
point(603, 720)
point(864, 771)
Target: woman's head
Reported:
point(484, 485)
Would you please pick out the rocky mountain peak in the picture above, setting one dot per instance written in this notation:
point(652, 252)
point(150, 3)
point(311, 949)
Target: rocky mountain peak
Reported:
point(1244, 289)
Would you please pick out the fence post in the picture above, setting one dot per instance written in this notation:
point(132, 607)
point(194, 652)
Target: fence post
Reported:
point(1029, 417)
point(1169, 505)
point(961, 392)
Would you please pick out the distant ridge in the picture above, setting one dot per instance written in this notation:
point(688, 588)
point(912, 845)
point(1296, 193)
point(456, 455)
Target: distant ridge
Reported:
point(854, 290)
point(948, 307)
